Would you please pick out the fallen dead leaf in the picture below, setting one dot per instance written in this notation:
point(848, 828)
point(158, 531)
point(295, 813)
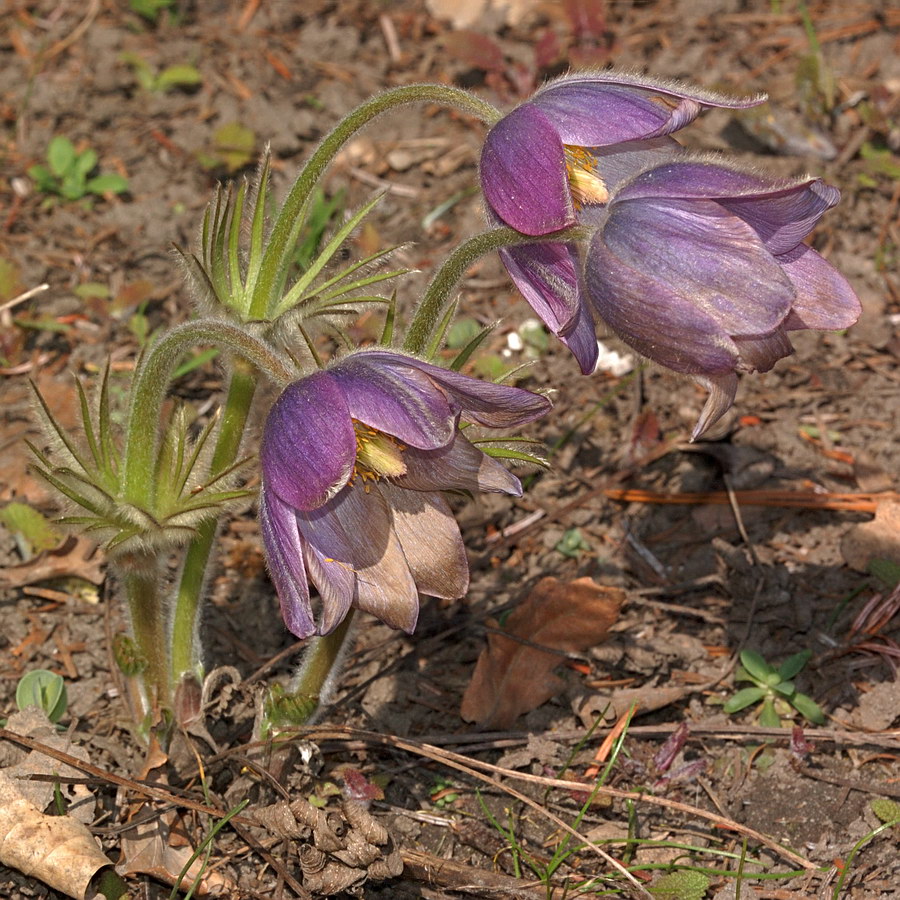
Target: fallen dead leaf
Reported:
point(512, 677)
point(878, 539)
point(75, 556)
point(58, 850)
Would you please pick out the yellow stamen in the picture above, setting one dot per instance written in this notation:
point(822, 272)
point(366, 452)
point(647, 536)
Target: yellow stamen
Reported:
point(584, 182)
point(378, 455)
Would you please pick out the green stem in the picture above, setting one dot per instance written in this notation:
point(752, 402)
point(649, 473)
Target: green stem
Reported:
point(439, 291)
point(321, 661)
point(284, 234)
point(151, 382)
point(184, 642)
point(142, 583)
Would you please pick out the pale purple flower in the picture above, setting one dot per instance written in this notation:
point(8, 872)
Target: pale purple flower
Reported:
point(553, 162)
point(354, 459)
point(698, 265)
point(702, 268)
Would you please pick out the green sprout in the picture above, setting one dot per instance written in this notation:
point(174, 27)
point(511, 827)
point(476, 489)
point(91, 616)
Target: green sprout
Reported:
point(151, 9)
point(67, 173)
point(45, 690)
point(180, 75)
point(773, 689)
point(572, 544)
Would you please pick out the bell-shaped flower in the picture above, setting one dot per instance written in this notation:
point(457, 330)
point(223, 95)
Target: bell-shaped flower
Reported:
point(702, 267)
point(554, 161)
point(354, 460)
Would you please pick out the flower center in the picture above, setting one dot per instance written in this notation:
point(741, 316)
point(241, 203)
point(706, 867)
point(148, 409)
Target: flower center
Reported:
point(378, 455)
point(584, 182)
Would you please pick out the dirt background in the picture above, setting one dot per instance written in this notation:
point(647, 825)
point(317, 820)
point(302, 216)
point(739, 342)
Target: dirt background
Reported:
point(701, 581)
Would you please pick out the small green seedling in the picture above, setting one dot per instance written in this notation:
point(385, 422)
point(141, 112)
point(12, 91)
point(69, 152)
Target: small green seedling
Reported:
point(151, 9)
point(773, 689)
point(45, 690)
point(67, 170)
point(572, 544)
point(181, 75)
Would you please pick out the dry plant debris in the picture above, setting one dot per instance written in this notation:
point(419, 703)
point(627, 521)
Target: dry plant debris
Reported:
point(514, 673)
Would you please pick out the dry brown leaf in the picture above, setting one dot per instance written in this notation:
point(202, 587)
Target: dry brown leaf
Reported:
point(74, 556)
point(58, 850)
point(617, 703)
point(146, 850)
point(878, 539)
point(512, 677)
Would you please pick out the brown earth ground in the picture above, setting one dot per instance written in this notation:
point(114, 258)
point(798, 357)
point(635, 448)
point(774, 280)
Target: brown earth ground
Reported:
point(701, 580)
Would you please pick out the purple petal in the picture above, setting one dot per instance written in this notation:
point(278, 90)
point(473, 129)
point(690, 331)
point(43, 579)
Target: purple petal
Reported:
point(431, 542)
point(492, 405)
point(658, 322)
point(759, 354)
point(389, 394)
point(546, 275)
point(523, 173)
point(284, 554)
point(308, 445)
point(355, 531)
point(705, 255)
point(594, 110)
point(722, 389)
point(336, 583)
point(460, 466)
point(825, 300)
point(782, 213)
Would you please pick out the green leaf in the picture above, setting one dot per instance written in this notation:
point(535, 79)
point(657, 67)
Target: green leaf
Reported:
point(73, 185)
point(785, 688)
point(108, 183)
point(299, 288)
point(685, 884)
point(477, 340)
point(769, 717)
point(462, 331)
point(744, 698)
point(60, 155)
point(757, 668)
point(182, 75)
point(45, 690)
point(85, 162)
point(44, 179)
point(572, 544)
point(793, 665)
point(34, 531)
point(808, 708)
point(885, 570)
point(886, 809)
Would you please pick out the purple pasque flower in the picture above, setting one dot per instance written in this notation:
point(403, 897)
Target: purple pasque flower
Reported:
point(701, 267)
point(354, 459)
point(554, 161)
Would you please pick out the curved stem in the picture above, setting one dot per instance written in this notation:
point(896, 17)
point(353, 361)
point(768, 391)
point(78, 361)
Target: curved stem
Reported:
point(321, 663)
point(184, 643)
point(284, 234)
point(439, 291)
point(151, 382)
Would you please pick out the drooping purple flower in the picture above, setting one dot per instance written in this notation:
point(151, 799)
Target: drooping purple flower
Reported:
point(696, 264)
point(554, 160)
point(702, 267)
point(354, 459)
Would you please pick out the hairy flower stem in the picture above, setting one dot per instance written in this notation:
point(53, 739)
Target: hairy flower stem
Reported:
point(439, 292)
point(321, 664)
point(184, 644)
point(151, 382)
point(146, 605)
point(286, 230)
